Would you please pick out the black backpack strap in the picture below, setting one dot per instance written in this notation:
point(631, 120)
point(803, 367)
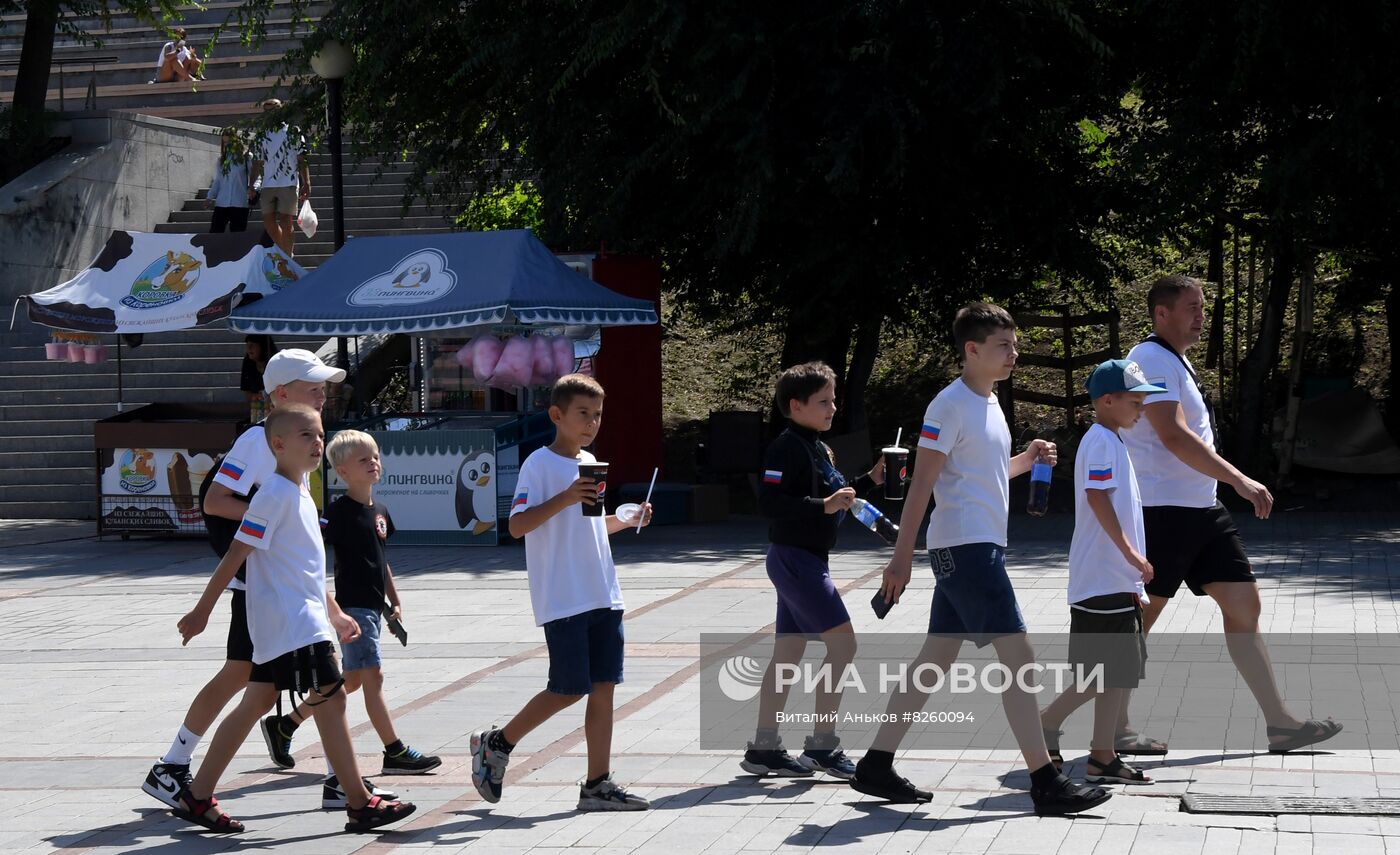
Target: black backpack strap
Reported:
point(1196, 381)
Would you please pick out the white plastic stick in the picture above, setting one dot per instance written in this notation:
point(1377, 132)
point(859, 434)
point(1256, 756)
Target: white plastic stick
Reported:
point(642, 511)
point(897, 434)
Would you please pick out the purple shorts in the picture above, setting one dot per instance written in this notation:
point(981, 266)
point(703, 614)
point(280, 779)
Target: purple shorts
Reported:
point(808, 602)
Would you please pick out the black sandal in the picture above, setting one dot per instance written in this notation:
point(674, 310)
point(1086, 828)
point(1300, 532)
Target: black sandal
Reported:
point(1312, 732)
point(1052, 747)
point(1139, 745)
point(375, 813)
point(1116, 772)
point(194, 811)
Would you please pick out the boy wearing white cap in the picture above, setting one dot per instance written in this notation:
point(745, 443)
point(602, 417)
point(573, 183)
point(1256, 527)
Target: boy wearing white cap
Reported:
point(292, 376)
point(1107, 571)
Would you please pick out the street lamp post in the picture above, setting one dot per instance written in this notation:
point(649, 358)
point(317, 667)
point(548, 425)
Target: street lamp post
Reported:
point(331, 63)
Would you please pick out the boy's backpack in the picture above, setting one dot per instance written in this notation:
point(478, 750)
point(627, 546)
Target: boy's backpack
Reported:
point(221, 531)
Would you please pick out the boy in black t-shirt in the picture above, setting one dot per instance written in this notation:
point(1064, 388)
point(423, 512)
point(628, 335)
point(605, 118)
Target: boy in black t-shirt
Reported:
point(357, 526)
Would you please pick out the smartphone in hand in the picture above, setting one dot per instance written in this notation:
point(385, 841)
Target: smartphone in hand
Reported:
point(881, 605)
point(396, 628)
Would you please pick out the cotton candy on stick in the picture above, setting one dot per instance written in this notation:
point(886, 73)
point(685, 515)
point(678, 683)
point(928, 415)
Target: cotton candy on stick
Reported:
point(542, 361)
point(563, 355)
point(515, 365)
point(486, 352)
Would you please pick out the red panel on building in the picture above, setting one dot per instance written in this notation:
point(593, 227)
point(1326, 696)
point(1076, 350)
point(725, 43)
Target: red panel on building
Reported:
point(629, 367)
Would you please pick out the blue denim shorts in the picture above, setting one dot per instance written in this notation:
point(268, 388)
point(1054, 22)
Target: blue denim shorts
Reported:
point(584, 649)
point(972, 597)
point(363, 652)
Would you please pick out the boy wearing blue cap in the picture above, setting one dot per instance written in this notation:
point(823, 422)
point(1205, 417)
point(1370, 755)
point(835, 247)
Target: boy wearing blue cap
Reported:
point(1107, 571)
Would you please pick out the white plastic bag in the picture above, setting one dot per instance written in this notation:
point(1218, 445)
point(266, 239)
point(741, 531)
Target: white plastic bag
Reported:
point(306, 220)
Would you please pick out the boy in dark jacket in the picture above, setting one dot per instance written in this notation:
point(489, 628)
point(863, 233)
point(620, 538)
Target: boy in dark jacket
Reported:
point(805, 498)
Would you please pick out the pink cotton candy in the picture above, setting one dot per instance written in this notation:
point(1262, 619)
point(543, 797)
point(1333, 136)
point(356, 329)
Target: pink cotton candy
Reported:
point(563, 355)
point(464, 356)
point(542, 361)
point(486, 353)
point(515, 365)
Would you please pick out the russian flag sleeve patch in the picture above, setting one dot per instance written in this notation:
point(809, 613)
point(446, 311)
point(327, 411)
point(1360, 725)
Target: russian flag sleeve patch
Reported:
point(254, 527)
point(521, 499)
point(1100, 472)
point(931, 431)
point(232, 468)
point(772, 476)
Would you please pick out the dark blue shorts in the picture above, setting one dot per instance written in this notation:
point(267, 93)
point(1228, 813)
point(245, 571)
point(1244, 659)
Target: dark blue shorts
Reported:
point(584, 649)
point(972, 598)
point(808, 601)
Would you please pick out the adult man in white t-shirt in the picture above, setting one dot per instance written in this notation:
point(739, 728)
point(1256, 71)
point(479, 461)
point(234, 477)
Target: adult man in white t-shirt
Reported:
point(1191, 537)
point(278, 160)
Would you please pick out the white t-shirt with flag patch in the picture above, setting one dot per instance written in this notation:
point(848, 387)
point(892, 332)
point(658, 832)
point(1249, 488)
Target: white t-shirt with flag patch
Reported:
point(568, 559)
point(1162, 477)
point(248, 464)
point(1096, 567)
point(286, 570)
point(972, 495)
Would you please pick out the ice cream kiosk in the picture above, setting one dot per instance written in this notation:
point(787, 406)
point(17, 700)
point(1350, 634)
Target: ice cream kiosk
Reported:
point(495, 319)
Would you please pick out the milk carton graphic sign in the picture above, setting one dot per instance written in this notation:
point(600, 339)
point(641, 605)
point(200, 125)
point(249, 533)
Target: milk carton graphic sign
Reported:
point(419, 277)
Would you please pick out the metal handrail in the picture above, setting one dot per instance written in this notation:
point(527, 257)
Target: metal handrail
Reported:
point(93, 60)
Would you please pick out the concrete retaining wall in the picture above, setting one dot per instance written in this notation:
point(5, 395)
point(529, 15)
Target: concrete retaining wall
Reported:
point(122, 171)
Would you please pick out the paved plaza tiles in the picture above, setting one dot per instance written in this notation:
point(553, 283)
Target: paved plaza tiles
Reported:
point(93, 683)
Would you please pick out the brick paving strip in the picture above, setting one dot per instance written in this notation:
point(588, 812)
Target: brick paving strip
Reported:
point(400, 835)
point(531, 763)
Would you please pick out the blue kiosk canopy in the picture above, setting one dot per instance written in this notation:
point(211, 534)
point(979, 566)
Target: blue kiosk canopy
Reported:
point(426, 283)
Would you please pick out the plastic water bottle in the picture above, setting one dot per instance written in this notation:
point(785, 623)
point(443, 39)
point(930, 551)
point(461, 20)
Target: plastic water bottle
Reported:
point(1040, 488)
point(871, 518)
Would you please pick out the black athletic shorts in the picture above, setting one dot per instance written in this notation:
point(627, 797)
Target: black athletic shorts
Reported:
point(1107, 631)
point(306, 669)
point(240, 643)
point(1193, 545)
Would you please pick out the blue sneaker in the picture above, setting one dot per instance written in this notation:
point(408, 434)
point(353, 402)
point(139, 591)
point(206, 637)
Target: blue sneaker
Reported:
point(772, 760)
point(825, 755)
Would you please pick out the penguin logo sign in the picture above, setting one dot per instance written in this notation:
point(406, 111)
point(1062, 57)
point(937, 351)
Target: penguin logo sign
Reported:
point(476, 493)
point(419, 277)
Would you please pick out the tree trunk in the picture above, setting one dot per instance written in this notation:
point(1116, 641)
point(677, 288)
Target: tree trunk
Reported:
point(1215, 273)
point(32, 76)
point(1255, 404)
point(1392, 329)
point(811, 335)
point(863, 355)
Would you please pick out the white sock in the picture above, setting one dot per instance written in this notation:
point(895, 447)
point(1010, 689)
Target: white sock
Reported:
point(182, 749)
point(329, 770)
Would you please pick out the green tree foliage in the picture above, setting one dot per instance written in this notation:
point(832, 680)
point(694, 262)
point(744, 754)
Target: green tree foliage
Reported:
point(25, 129)
point(1277, 117)
point(835, 165)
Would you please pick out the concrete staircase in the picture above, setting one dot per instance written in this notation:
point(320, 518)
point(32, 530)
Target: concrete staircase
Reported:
point(47, 409)
point(235, 81)
point(372, 207)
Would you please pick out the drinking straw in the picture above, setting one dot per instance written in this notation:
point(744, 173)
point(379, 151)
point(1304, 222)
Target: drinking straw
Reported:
point(897, 434)
point(642, 511)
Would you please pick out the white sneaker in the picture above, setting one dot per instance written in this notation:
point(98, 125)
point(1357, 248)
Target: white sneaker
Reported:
point(333, 796)
point(165, 781)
